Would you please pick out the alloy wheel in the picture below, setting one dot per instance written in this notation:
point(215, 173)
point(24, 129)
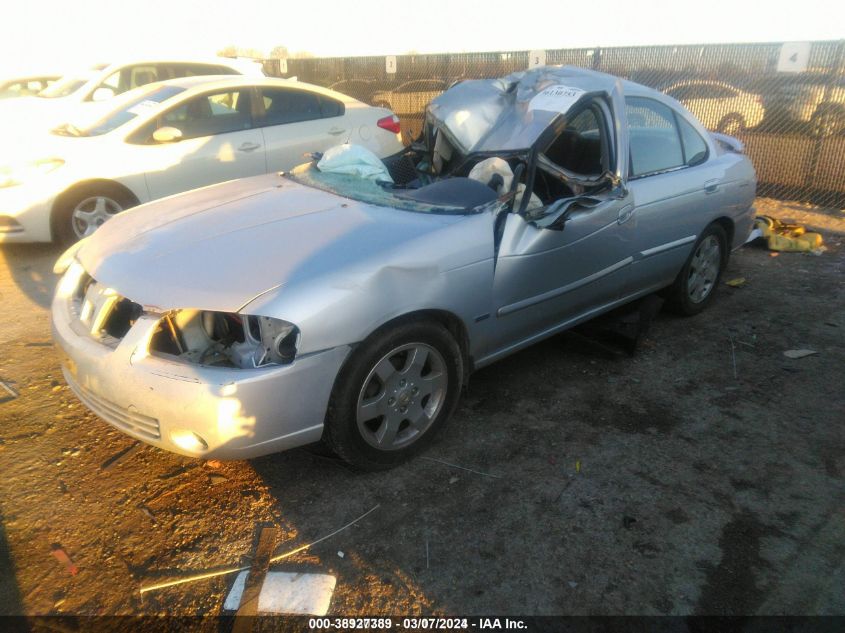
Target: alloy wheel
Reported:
point(91, 213)
point(704, 269)
point(402, 396)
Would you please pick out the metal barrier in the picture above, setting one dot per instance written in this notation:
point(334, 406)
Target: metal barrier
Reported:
point(785, 101)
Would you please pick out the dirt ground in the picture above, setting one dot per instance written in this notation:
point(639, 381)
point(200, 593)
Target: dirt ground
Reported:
point(703, 475)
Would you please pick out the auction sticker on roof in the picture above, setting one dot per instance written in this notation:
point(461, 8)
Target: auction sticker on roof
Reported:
point(556, 98)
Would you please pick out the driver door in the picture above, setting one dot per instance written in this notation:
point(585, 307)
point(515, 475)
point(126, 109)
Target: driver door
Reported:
point(218, 143)
point(545, 278)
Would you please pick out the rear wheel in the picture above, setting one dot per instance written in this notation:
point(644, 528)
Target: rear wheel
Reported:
point(393, 395)
point(827, 121)
point(695, 286)
point(732, 124)
point(86, 209)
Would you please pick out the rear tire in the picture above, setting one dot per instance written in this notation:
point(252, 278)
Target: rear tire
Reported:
point(732, 124)
point(393, 395)
point(85, 209)
point(696, 284)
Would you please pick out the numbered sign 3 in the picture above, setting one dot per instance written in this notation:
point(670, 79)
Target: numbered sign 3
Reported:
point(390, 64)
point(536, 58)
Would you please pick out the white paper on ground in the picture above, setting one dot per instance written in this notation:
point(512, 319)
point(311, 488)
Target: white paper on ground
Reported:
point(284, 592)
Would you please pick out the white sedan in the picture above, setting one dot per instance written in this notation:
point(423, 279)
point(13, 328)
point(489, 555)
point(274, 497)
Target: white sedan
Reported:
point(173, 136)
point(91, 90)
point(718, 105)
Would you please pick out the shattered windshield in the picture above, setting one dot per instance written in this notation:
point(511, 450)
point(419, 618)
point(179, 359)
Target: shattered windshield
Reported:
point(383, 195)
point(512, 113)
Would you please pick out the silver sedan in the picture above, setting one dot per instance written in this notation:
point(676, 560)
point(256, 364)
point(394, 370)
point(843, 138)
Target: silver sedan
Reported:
point(267, 313)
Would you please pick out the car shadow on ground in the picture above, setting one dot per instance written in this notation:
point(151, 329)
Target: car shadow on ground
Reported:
point(10, 598)
point(31, 266)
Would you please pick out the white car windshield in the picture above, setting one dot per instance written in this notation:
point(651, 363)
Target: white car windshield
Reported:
point(63, 87)
point(138, 102)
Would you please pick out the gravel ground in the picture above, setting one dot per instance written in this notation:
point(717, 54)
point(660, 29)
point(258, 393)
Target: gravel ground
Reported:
point(703, 475)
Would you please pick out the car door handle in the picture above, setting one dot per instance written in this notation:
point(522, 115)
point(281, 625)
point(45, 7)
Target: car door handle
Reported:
point(625, 214)
point(336, 130)
point(711, 186)
point(248, 147)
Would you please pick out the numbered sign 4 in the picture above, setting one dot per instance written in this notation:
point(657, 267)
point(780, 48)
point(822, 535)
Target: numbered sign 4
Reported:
point(793, 57)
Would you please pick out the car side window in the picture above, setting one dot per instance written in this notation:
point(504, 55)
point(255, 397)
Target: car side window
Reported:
point(695, 148)
point(113, 82)
point(286, 105)
point(331, 107)
point(209, 114)
point(141, 76)
point(654, 138)
point(579, 148)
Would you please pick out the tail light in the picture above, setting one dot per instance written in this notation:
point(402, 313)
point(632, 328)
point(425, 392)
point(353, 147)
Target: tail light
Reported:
point(390, 123)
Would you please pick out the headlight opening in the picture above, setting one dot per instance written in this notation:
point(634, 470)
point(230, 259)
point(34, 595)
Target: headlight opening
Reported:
point(225, 339)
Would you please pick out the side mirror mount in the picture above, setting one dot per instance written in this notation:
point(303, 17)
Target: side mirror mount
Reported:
point(167, 134)
point(101, 94)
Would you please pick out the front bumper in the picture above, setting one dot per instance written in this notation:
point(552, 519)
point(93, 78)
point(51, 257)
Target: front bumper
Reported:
point(238, 413)
point(25, 214)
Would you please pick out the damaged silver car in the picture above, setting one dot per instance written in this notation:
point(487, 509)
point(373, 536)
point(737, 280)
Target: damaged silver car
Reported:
point(351, 305)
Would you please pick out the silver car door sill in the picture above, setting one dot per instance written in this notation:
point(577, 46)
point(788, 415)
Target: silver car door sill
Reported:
point(551, 294)
point(667, 246)
point(564, 325)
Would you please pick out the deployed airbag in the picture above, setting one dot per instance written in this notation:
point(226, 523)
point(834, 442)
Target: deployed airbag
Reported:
point(353, 160)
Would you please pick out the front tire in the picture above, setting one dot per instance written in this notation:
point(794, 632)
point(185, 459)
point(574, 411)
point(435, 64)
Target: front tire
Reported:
point(84, 210)
point(696, 284)
point(393, 395)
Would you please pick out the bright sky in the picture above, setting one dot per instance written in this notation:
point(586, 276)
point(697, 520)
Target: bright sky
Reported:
point(59, 33)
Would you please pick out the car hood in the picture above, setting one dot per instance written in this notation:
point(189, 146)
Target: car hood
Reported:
point(219, 247)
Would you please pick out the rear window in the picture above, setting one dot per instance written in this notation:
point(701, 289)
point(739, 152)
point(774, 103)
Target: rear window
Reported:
point(287, 105)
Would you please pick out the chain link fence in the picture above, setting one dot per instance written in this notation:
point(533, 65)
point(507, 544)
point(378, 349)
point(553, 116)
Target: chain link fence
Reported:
point(788, 107)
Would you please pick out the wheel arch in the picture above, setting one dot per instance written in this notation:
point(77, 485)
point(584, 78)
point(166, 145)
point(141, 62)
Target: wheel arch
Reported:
point(451, 321)
point(728, 226)
point(68, 194)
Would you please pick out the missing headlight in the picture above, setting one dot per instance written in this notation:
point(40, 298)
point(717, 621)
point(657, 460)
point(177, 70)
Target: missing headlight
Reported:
point(224, 339)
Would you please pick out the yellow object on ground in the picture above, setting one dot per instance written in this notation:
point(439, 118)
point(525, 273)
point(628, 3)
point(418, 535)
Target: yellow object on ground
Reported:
point(787, 237)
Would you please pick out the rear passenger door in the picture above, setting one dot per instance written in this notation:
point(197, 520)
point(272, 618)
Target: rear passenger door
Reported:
point(218, 143)
point(675, 185)
point(296, 122)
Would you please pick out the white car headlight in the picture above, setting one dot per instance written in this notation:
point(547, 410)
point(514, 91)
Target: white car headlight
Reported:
point(12, 175)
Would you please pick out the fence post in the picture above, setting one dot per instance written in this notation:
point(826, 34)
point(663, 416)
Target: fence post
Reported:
point(834, 72)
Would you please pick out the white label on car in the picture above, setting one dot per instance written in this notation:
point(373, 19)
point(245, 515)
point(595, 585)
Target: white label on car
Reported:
point(536, 58)
point(390, 64)
point(143, 107)
point(793, 57)
point(555, 98)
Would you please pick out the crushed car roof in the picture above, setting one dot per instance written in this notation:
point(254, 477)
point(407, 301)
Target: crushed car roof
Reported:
point(510, 113)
